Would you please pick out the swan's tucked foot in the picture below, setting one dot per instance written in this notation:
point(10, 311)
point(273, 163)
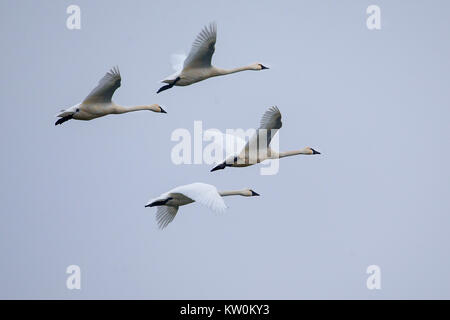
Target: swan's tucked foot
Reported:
point(64, 119)
point(158, 203)
point(168, 86)
point(219, 167)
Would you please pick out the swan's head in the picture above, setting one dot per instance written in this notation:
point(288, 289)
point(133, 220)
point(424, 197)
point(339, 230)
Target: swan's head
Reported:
point(249, 193)
point(256, 66)
point(259, 66)
point(311, 151)
point(157, 108)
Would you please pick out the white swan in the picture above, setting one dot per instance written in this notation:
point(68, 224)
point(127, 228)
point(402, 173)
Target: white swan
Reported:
point(197, 66)
point(269, 125)
point(203, 193)
point(98, 103)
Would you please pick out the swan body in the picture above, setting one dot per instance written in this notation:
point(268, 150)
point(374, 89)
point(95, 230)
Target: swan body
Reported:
point(269, 126)
point(197, 65)
point(98, 103)
point(206, 194)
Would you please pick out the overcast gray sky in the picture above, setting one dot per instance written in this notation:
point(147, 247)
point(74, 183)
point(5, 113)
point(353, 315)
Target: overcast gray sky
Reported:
point(375, 103)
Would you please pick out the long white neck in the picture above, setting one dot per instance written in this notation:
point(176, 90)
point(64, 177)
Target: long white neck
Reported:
point(232, 193)
point(221, 72)
point(121, 109)
point(293, 153)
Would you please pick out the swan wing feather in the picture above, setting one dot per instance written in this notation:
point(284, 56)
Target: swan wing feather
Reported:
point(204, 194)
point(165, 215)
point(271, 119)
point(105, 88)
point(270, 123)
point(203, 48)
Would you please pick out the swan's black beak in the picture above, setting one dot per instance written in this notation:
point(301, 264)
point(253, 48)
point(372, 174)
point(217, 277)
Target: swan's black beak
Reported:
point(314, 151)
point(263, 67)
point(254, 193)
point(162, 110)
point(219, 167)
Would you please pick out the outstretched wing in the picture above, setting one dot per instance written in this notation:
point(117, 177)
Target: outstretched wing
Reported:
point(165, 215)
point(268, 127)
point(203, 48)
point(106, 87)
point(270, 123)
point(204, 194)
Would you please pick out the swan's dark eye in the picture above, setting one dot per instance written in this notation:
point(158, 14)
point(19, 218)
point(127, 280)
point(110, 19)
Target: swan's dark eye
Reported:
point(78, 110)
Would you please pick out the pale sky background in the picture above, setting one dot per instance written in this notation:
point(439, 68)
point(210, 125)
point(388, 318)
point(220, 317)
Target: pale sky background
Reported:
point(375, 103)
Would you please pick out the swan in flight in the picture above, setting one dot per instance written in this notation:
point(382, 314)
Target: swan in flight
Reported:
point(203, 193)
point(197, 66)
point(257, 148)
point(98, 103)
